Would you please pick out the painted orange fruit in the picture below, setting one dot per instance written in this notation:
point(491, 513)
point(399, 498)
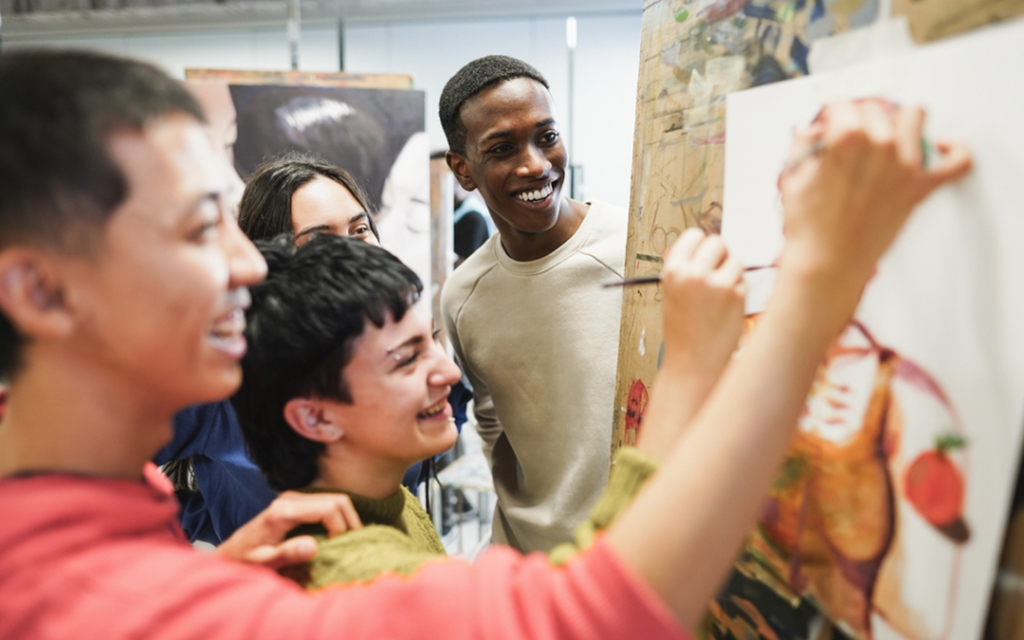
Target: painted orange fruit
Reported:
point(933, 484)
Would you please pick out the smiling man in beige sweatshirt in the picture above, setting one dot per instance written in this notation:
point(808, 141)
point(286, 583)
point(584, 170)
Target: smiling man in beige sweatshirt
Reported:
point(535, 333)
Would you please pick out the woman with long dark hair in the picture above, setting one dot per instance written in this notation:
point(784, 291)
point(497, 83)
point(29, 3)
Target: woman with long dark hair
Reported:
point(302, 195)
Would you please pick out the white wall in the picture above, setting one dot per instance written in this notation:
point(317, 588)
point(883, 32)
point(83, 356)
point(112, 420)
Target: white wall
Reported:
point(607, 63)
point(252, 48)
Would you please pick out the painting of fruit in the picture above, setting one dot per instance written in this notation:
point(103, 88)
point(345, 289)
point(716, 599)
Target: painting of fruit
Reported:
point(888, 515)
point(935, 487)
point(829, 535)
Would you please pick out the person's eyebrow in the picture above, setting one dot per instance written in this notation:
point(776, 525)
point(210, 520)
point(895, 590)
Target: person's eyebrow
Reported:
point(362, 215)
point(191, 209)
point(415, 340)
point(317, 228)
point(504, 133)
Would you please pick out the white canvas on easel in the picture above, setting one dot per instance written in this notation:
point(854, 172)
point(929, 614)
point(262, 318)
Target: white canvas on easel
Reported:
point(948, 297)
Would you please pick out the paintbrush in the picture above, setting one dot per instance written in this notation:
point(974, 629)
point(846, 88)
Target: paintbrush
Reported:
point(657, 278)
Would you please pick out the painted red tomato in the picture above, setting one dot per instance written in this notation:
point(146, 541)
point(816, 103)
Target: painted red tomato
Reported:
point(934, 486)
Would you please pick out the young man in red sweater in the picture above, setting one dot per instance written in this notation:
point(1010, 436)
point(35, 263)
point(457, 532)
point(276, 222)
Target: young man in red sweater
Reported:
point(122, 297)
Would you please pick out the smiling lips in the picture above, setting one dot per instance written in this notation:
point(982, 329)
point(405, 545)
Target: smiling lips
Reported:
point(537, 195)
point(434, 411)
point(226, 334)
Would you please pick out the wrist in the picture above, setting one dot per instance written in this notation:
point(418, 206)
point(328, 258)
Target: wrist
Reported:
point(826, 297)
point(688, 370)
point(827, 270)
point(664, 420)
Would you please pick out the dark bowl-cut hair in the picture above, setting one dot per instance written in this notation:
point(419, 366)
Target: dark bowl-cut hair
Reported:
point(266, 208)
point(471, 80)
point(58, 183)
point(301, 327)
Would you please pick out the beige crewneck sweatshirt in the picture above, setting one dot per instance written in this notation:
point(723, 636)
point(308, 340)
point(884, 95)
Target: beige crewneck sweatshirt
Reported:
point(539, 342)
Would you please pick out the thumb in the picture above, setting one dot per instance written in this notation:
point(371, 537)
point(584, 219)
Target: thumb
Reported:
point(955, 162)
point(294, 551)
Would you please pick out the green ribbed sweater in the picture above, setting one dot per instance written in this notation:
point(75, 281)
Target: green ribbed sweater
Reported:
point(398, 536)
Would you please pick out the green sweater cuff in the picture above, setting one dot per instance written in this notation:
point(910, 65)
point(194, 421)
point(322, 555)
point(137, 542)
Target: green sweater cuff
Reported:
point(629, 472)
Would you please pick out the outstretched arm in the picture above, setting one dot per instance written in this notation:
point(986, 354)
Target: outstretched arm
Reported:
point(843, 207)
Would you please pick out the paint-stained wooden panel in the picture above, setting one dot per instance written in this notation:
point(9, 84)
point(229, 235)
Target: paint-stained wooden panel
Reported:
point(935, 19)
point(692, 55)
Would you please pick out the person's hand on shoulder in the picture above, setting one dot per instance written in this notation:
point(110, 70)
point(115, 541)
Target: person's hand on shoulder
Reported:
point(262, 540)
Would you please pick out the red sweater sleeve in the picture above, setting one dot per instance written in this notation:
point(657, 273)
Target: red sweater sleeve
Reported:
point(78, 560)
point(503, 596)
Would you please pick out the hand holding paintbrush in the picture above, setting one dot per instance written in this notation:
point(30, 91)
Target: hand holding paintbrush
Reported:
point(810, 142)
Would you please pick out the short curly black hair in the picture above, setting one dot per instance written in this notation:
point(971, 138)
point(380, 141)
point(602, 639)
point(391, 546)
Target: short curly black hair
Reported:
point(469, 81)
point(301, 328)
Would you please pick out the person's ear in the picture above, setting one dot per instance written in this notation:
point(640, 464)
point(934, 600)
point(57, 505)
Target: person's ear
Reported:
point(460, 167)
point(31, 295)
point(308, 419)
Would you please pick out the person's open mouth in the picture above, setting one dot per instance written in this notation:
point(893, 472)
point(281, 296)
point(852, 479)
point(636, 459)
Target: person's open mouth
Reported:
point(537, 198)
point(226, 335)
point(440, 411)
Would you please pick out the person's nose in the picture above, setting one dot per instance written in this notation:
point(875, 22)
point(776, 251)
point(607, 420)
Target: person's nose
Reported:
point(447, 372)
point(534, 163)
point(246, 265)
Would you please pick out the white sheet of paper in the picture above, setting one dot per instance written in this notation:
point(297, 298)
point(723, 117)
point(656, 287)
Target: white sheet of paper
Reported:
point(949, 294)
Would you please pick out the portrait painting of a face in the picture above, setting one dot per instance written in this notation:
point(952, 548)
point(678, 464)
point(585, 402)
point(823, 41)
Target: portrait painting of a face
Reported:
point(377, 135)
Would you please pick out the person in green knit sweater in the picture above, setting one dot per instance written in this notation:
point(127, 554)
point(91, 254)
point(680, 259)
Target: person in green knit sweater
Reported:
point(345, 385)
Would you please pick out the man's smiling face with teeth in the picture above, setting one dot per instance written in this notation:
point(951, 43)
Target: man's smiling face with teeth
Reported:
point(516, 159)
point(539, 194)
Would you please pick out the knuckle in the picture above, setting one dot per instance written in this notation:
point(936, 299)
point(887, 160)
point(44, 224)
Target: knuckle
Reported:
point(693, 232)
point(851, 139)
point(286, 512)
point(889, 148)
